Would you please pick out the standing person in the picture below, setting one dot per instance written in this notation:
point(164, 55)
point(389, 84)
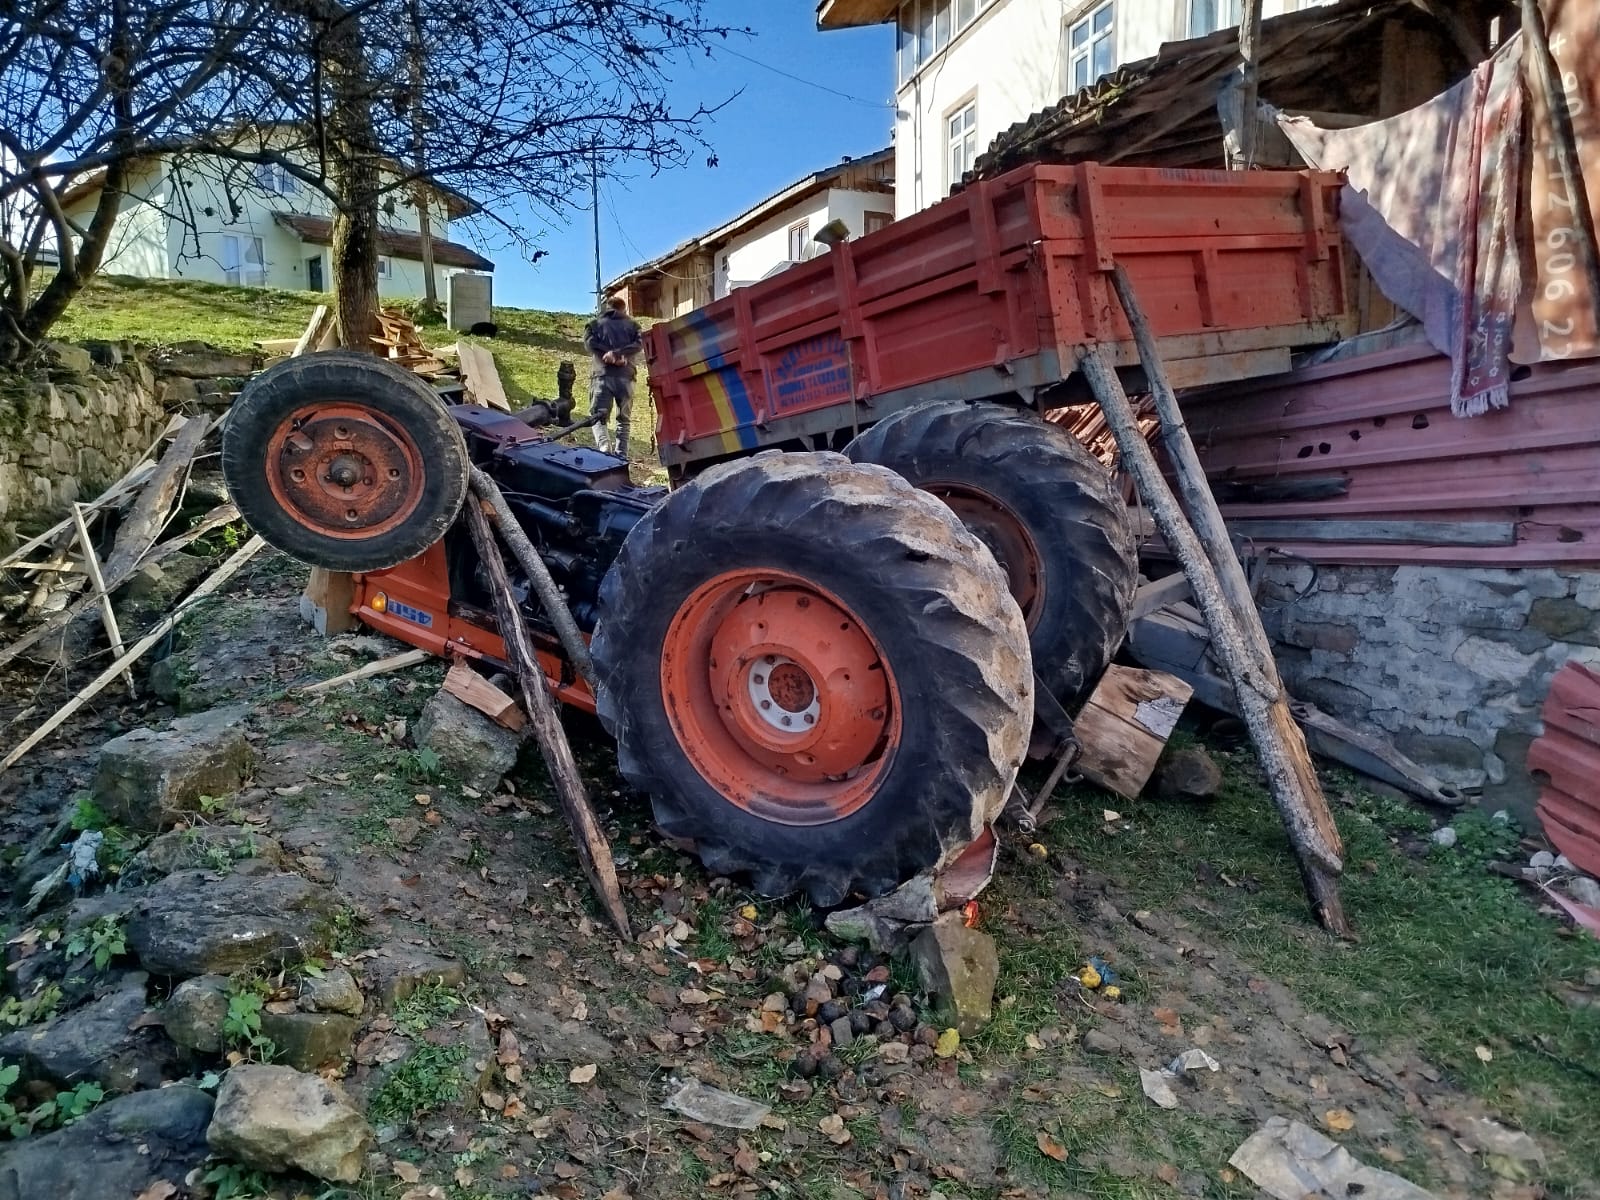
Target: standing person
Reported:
point(613, 338)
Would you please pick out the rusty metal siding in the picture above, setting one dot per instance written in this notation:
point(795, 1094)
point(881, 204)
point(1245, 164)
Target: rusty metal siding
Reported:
point(1382, 422)
point(1566, 761)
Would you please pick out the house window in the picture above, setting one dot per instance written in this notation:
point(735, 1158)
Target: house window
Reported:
point(873, 221)
point(799, 235)
point(1208, 16)
point(1091, 49)
point(275, 180)
point(243, 261)
point(926, 27)
point(383, 266)
point(961, 127)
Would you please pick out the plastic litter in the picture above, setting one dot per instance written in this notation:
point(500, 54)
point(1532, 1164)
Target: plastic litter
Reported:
point(1193, 1060)
point(1107, 974)
point(713, 1106)
point(1291, 1161)
point(83, 857)
point(1157, 1086)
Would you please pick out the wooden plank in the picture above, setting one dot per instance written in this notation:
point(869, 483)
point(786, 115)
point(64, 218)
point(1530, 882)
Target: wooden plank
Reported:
point(467, 686)
point(382, 666)
point(1125, 725)
point(1401, 533)
point(163, 627)
point(1160, 593)
point(316, 329)
point(108, 617)
point(276, 346)
point(481, 377)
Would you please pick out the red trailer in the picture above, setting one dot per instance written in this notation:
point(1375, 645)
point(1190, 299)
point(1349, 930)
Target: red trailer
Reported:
point(984, 295)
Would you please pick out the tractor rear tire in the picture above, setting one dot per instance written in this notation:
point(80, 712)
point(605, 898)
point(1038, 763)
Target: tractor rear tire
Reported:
point(815, 672)
point(344, 461)
point(1046, 508)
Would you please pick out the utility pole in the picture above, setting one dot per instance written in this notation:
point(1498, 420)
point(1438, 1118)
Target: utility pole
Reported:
point(594, 195)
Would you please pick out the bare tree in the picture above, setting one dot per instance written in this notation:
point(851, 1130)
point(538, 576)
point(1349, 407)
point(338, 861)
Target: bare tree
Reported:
point(362, 101)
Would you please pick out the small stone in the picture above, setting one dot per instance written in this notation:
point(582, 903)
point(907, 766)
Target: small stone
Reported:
point(1542, 860)
point(194, 923)
point(472, 748)
point(805, 1064)
point(147, 779)
point(818, 991)
point(903, 1018)
point(776, 1002)
point(195, 1012)
point(927, 1035)
point(1444, 836)
point(884, 1030)
point(1584, 890)
point(396, 970)
point(141, 1141)
point(309, 1041)
point(1096, 1042)
point(958, 968)
point(95, 1043)
point(196, 360)
point(830, 1012)
point(861, 1022)
point(213, 846)
point(277, 1119)
point(894, 1053)
point(848, 957)
point(1188, 773)
point(333, 991)
point(921, 1053)
point(843, 1035)
point(830, 1066)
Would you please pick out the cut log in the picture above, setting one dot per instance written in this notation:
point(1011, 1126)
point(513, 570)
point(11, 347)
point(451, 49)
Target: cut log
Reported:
point(317, 330)
point(594, 852)
point(137, 651)
point(1282, 750)
point(481, 377)
point(467, 686)
point(326, 603)
point(1125, 725)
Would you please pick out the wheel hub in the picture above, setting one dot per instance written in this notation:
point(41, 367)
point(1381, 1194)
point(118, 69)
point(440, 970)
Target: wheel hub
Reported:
point(343, 471)
point(1006, 537)
point(779, 697)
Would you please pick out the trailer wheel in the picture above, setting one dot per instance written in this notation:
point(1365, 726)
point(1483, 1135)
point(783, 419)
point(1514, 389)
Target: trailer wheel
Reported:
point(1047, 510)
point(344, 461)
point(815, 672)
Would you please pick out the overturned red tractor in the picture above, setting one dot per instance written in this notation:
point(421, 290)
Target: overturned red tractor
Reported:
point(825, 669)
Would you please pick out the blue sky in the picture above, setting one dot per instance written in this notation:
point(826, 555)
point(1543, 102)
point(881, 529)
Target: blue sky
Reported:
point(778, 130)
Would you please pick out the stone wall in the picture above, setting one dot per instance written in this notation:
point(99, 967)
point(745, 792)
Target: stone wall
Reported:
point(1452, 662)
point(76, 418)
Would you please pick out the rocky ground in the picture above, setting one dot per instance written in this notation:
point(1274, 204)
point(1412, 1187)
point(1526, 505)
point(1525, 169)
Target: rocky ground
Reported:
point(339, 957)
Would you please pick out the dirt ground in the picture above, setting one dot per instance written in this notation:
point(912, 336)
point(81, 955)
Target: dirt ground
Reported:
point(1381, 1044)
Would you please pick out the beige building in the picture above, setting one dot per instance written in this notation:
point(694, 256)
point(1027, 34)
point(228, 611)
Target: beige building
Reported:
point(765, 238)
point(966, 70)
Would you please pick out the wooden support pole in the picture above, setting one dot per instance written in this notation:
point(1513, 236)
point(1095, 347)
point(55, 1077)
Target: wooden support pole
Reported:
point(1250, 54)
point(593, 849)
point(95, 686)
point(1290, 775)
point(108, 617)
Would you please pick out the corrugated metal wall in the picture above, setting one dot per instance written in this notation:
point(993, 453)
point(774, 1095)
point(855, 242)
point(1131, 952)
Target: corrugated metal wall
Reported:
point(1523, 483)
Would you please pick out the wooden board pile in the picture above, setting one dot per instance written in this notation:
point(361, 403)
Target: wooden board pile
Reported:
point(78, 563)
point(473, 378)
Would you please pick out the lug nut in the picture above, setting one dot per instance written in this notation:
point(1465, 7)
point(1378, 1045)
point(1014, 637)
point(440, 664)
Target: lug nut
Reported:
point(351, 514)
point(766, 704)
point(297, 475)
point(787, 721)
point(394, 472)
point(811, 719)
point(759, 678)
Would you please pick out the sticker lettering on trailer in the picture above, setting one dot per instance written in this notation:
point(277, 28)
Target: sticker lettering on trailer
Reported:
point(811, 375)
point(415, 615)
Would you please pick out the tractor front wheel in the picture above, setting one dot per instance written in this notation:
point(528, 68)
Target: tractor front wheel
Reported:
point(815, 672)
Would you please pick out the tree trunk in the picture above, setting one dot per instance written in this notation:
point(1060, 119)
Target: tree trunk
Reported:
point(355, 174)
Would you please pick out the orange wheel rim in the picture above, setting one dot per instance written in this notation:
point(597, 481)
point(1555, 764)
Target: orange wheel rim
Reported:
point(1008, 539)
point(780, 698)
point(343, 470)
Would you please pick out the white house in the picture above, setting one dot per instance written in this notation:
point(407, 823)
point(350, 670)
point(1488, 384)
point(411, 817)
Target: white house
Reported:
point(258, 226)
point(966, 70)
point(768, 236)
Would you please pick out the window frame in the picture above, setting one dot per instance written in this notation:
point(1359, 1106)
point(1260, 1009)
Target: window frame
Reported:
point(237, 246)
point(274, 179)
point(1227, 21)
point(883, 217)
point(803, 228)
point(1072, 56)
point(918, 40)
point(385, 266)
point(966, 139)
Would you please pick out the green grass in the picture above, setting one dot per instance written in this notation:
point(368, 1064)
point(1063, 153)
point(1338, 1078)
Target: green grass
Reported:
point(429, 1078)
point(1450, 957)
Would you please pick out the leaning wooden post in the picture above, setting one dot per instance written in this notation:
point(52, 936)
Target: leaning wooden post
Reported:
point(1262, 702)
point(593, 849)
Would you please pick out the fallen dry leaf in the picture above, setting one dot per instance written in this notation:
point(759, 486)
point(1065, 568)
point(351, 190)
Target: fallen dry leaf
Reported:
point(947, 1045)
point(515, 978)
point(159, 1190)
point(617, 1193)
point(693, 997)
point(492, 1100)
point(1049, 1147)
point(1168, 1174)
point(405, 1172)
point(431, 1192)
point(1339, 1119)
point(1110, 815)
point(583, 1074)
point(507, 1051)
point(464, 1177)
point(567, 1170)
point(833, 1126)
point(1484, 1053)
point(1033, 1042)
